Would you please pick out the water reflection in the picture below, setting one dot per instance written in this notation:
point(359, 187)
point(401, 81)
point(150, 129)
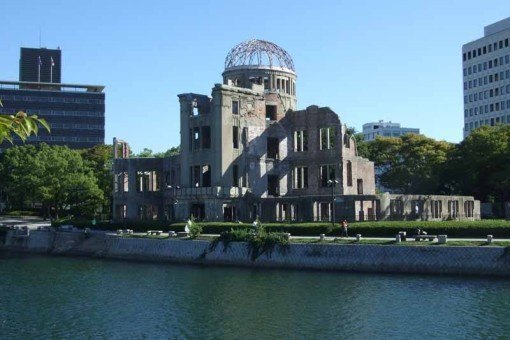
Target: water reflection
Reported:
point(85, 298)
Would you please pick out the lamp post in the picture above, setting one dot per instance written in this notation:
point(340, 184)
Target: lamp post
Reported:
point(332, 183)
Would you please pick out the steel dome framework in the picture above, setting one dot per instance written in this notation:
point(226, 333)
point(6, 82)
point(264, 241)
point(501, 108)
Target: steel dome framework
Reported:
point(258, 53)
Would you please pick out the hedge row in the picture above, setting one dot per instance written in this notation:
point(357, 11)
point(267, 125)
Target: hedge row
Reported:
point(498, 228)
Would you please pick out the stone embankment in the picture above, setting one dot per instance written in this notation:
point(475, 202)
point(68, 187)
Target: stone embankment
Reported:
point(360, 258)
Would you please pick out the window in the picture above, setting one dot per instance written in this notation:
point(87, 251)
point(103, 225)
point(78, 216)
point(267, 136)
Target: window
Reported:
point(206, 137)
point(286, 212)
point(235, 175)
point(147, 181)
point(235, 137)
point(326, 173)
point(229, 212)
point(453, 209)
point(417, 208)
point(396, 208)
point(360, 186)
point(194, 108)
point(121, 211)
point(349, 173)
point(324, 211)
point(235, 107)
point(300, 141)
point(148, 212)
point(194, 175)
point(272, 185)
point(469, 207)
point(121, 182)
point(198, 211)
point(244, 137)
point(327, 138)
point(273, 148)
point(206, 176)
point(196, 138)
point(300, 177)
point(270, 112)
point(436, 209)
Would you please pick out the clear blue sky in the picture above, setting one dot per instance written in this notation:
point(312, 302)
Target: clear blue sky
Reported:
point(367, 60)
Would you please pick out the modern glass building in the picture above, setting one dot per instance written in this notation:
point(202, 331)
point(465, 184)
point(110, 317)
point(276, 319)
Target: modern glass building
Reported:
point(76, 113)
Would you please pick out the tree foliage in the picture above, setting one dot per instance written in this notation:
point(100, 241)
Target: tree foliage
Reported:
point(20, 125)
point(480, 165)
point(411, 163)
point(148, 153)
point(52, 175)
point(99, 159)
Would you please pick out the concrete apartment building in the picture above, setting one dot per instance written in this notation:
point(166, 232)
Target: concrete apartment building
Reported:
point(486, 76)
point(246, 151)
point(75, 112)
point(385, 129)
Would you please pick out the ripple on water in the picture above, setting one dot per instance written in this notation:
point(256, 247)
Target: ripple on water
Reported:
point(83, 298)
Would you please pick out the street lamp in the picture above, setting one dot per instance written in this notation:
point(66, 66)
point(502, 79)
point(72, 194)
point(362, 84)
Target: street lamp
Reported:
point(332, 183)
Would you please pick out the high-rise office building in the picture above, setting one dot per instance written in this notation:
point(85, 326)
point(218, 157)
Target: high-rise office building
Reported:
point(75, 113)
point(40, 65)
point(486, 75)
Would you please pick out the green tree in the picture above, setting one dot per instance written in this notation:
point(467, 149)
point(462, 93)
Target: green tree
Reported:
point(480, 165)
point(148, 153)
point(411, 163)
point(99, 159)
point(52, 175)
point(174, 150)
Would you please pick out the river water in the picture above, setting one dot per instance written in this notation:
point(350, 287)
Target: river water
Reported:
point(57, 297)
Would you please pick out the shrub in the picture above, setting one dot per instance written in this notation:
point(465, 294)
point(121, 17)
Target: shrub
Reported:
point(259, 240)
point(194, 229)
point(23, 213)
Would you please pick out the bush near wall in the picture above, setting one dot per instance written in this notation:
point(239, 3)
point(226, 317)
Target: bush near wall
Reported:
point(23, 213)
point(479, 229)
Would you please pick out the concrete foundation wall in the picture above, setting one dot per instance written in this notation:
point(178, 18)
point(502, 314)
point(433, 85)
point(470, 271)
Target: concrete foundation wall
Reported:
point(362, 258)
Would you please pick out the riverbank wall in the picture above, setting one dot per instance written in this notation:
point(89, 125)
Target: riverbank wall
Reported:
point(494, 261)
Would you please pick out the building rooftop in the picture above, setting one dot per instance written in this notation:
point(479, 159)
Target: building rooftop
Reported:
point(259, 53)
point(57, 87)
point(497, 27)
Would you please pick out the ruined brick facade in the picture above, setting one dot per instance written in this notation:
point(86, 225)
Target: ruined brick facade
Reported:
point(246, 151)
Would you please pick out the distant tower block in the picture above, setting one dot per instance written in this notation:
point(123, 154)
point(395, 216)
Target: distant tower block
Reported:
point(264, 63)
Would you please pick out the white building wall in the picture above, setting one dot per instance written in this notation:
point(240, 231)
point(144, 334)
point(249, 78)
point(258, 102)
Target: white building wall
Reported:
point(486, 78)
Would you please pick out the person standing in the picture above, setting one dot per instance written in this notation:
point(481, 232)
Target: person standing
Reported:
point(345, 226)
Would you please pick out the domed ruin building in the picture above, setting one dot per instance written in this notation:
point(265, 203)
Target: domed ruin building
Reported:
point(246, 151)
